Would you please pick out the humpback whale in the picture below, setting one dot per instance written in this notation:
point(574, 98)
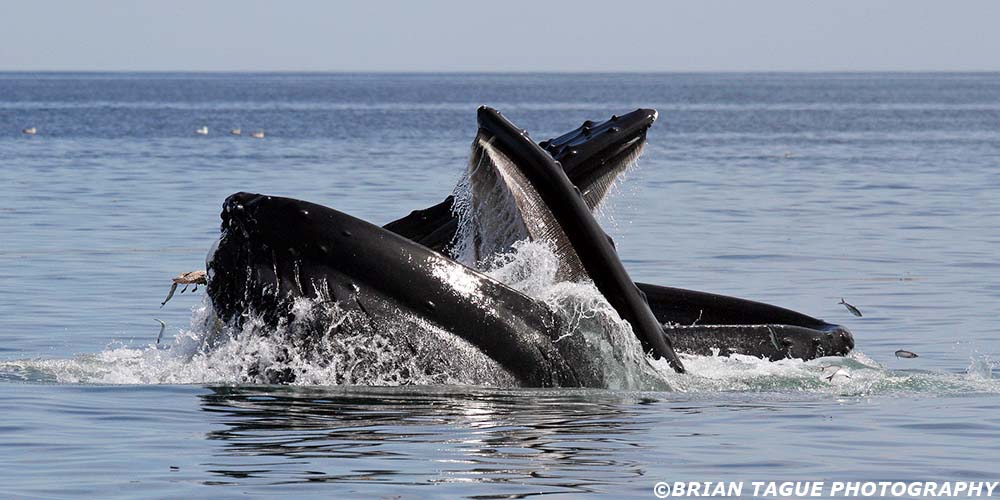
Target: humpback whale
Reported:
point(593, 155)
point(534, 179)
point(274, 251)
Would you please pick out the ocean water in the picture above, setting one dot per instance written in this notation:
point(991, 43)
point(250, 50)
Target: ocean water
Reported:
point(793, 189)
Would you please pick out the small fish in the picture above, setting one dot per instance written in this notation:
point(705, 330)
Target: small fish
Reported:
point(840, 371)
point(170, 294)
point(163, 326)
point(906, 354)
point(854, 310)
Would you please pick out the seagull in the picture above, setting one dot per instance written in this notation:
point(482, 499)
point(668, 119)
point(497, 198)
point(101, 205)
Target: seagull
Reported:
point(189, 278)
point(258, 134)
point(30, 131)
point(235, 131)
point(202, 131)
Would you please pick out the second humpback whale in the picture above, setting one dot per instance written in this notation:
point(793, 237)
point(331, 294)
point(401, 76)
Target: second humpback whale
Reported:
point(275, 251)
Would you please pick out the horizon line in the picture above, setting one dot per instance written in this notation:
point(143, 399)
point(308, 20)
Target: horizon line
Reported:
point(507, 72)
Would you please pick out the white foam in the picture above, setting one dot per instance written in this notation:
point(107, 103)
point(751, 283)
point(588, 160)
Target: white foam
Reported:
point(594, 337)
point(360, 354)
point(202, 354)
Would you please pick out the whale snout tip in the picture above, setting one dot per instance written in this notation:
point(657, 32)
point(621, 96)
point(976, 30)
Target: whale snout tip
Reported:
point(242, 201)
point(841, 339)
point(241, 198)
point(238, 208)
point(848, 338)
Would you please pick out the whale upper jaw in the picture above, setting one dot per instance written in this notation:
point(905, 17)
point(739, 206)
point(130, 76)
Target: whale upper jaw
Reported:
point(593, 155)
point(568, 209)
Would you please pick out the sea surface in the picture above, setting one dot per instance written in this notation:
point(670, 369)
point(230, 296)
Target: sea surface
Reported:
point(793, 189)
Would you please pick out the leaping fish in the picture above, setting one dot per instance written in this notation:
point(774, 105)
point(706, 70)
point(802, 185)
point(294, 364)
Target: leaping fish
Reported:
point(163, 326)
point(854, 310)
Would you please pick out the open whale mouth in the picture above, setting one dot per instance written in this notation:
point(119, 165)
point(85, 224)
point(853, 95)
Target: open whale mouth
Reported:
point(275, 251)
point(511, 176)
point(498, 206)
point(593, 156)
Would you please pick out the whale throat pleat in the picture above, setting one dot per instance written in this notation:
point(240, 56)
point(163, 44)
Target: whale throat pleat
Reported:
point(497, 207)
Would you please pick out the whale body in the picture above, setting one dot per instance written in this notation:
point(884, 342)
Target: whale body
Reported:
point(274, 251)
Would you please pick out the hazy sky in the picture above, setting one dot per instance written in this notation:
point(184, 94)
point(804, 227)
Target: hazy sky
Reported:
point(504, 35)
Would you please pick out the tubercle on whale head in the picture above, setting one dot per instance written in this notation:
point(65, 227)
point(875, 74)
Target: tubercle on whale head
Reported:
point(806, 343)
point(238, 208)
point(840, 339)
point(596, 150)
point(583, 151)
point(246, 241)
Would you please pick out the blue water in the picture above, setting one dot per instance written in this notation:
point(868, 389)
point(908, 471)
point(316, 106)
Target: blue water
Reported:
point(791, 189)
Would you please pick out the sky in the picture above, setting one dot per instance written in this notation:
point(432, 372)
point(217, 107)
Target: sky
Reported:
point(505, 35)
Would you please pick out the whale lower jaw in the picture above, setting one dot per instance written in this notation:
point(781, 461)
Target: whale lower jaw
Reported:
point(275, 251)
point(772, 342)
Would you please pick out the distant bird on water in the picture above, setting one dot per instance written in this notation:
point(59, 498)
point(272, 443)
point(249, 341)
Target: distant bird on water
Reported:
point(235, 131)
point(854, 310)
point(258, 134)
point(202, 131)
point(30, 131)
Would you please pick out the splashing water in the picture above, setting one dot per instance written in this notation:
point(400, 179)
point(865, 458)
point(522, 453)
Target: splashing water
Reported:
point(200, 355)
point(205, 352)
point(208, 352)
point(593, 335)
point(497, 206)
point(594, 338)
point(506, 230)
